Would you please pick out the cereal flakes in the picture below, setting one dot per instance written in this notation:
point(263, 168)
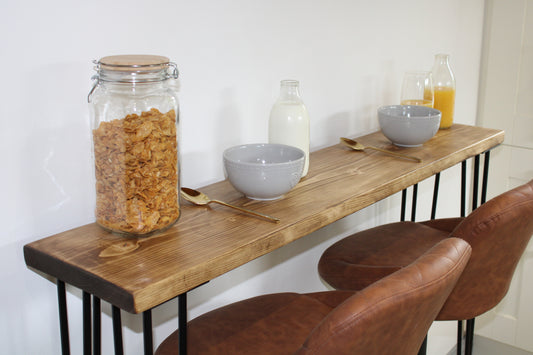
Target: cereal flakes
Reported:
point(136, 166)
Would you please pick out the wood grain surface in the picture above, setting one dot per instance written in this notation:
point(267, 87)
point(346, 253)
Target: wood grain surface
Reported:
point(138, 274)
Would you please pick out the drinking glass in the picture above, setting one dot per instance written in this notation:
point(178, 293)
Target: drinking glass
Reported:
point(417, 89)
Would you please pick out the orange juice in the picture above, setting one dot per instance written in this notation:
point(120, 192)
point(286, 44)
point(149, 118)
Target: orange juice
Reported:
point(427, 103)
point(445, 103)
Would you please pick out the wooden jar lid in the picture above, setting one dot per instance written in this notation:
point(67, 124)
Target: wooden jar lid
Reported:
point(133, 61)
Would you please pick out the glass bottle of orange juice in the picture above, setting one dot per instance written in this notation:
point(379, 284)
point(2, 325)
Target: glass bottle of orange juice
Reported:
point(444, 89)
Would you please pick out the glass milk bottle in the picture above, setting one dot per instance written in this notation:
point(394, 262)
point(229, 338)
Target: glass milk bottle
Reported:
point(444, 89)
point(289, 120)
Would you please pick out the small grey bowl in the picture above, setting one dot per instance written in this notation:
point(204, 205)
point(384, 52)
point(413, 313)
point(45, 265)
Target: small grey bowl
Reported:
point(408, 126)
point(263, 171)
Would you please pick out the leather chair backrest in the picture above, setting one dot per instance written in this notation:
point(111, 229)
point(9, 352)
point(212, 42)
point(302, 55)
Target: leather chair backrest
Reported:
point(393, 315)
point(498, 231)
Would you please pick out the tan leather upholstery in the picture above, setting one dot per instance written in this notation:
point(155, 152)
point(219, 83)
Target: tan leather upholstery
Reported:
point(391, 316)
point(498, 232)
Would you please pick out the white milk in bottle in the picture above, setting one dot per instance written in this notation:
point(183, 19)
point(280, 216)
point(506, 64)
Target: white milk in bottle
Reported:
point(289, 120)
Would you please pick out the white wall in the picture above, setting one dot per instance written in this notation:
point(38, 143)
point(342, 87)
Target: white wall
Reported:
point(507, 71)
point(349, 56)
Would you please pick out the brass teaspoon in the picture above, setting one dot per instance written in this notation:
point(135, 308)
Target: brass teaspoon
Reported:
point(358, 146)
point(201, 199)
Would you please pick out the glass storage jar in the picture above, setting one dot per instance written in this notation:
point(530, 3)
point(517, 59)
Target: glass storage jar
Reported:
point(135, 127)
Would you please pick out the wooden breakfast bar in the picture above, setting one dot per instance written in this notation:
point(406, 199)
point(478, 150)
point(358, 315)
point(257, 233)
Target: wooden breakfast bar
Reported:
point(137, 275)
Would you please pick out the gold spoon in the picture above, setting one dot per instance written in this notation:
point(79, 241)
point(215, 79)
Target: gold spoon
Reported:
point(201, 199)
point(358, 146)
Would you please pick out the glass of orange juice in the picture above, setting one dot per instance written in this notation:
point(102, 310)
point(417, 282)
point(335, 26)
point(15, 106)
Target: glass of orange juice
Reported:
point(417, 89)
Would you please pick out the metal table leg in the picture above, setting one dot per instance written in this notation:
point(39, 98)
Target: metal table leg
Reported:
point(182, 323)
point(413, 204)
point(469, 339)
point(97, 326)
point(485, 177)
point(92, 334)
point(87, 336)
point(463, 188)
point(435, 196)
point(470, 323)
point(63, 319)
point(459, 337)
point(404, 198)
point(476, 182)
point(147, 333)
point(117, 331)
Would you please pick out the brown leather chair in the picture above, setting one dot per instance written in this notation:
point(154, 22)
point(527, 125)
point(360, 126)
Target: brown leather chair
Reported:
point(498, 232)
point(389, 317)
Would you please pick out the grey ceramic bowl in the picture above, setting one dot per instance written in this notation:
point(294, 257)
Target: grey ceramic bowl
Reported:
point(408, 126)
point(263, 171)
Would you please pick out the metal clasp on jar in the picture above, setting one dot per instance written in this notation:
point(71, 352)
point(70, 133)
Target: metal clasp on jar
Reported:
point(173, 71)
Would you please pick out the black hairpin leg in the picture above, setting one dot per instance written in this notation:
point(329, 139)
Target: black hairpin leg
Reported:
point(476, 183)
point(413, 203)
point(424, 346)
point(117, 330)
point(435, 196)
point(484, 182)
point(404, 198)
point(97, 326)
point(485, 177)
point(459, 337)
point(469, 339)
point(182, 323)
point(463, 188)
point(87, 337)
point(63, 319)
point(147, 333)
